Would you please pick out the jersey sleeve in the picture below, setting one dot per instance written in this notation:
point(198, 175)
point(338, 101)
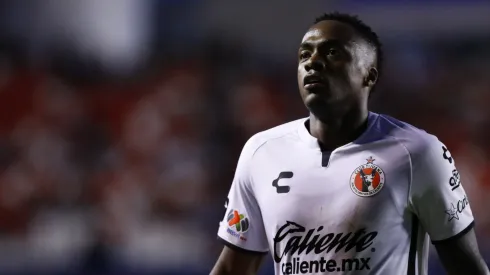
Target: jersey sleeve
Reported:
point(437, 195)
point(242, 227)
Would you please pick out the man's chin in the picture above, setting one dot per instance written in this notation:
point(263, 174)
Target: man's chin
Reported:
point(323, 107)
point(319, 101)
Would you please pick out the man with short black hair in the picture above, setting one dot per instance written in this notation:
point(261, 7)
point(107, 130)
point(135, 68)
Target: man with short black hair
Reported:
point(345, 191)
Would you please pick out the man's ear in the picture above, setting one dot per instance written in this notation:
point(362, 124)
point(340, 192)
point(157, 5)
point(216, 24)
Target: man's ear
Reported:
point(372, 77)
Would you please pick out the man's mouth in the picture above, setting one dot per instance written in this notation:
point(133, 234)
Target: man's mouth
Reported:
point(314, 81)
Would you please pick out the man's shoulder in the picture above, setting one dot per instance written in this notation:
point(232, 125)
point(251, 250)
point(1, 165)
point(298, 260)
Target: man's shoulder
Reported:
point(276, 133)
point(418, 142)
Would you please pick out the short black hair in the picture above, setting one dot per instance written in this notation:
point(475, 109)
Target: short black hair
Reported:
point(362, 29)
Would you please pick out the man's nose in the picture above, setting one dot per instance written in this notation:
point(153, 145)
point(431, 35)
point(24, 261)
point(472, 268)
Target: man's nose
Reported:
point(315, 63)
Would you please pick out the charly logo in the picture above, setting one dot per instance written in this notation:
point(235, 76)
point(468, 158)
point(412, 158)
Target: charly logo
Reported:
point(282, 189)
point(368, 179)
point(446, 154)
point(455, 210)
point(293, 240)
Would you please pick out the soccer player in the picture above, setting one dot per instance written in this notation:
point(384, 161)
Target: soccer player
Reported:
point(345, 191)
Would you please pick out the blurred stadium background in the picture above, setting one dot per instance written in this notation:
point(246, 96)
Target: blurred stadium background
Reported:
point(122, 120)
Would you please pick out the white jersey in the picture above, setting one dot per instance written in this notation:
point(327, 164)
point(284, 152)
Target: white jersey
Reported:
point(368, 207)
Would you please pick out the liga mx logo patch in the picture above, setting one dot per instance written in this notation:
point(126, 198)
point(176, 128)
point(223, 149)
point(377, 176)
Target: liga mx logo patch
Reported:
point(368, 179)
point(237, 221)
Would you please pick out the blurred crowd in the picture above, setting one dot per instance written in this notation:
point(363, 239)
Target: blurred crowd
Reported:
point(129, 175)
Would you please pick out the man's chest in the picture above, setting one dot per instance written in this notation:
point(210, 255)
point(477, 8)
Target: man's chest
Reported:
point(358, 187)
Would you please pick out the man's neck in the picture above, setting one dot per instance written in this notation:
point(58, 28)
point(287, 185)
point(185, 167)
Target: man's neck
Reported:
point(339, 131)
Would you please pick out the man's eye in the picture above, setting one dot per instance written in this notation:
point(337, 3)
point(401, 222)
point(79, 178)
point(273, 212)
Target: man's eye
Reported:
point(304, 55)
point(332, 52)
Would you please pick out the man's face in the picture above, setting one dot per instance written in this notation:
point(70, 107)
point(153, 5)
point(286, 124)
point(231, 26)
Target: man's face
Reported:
point(333, 65)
